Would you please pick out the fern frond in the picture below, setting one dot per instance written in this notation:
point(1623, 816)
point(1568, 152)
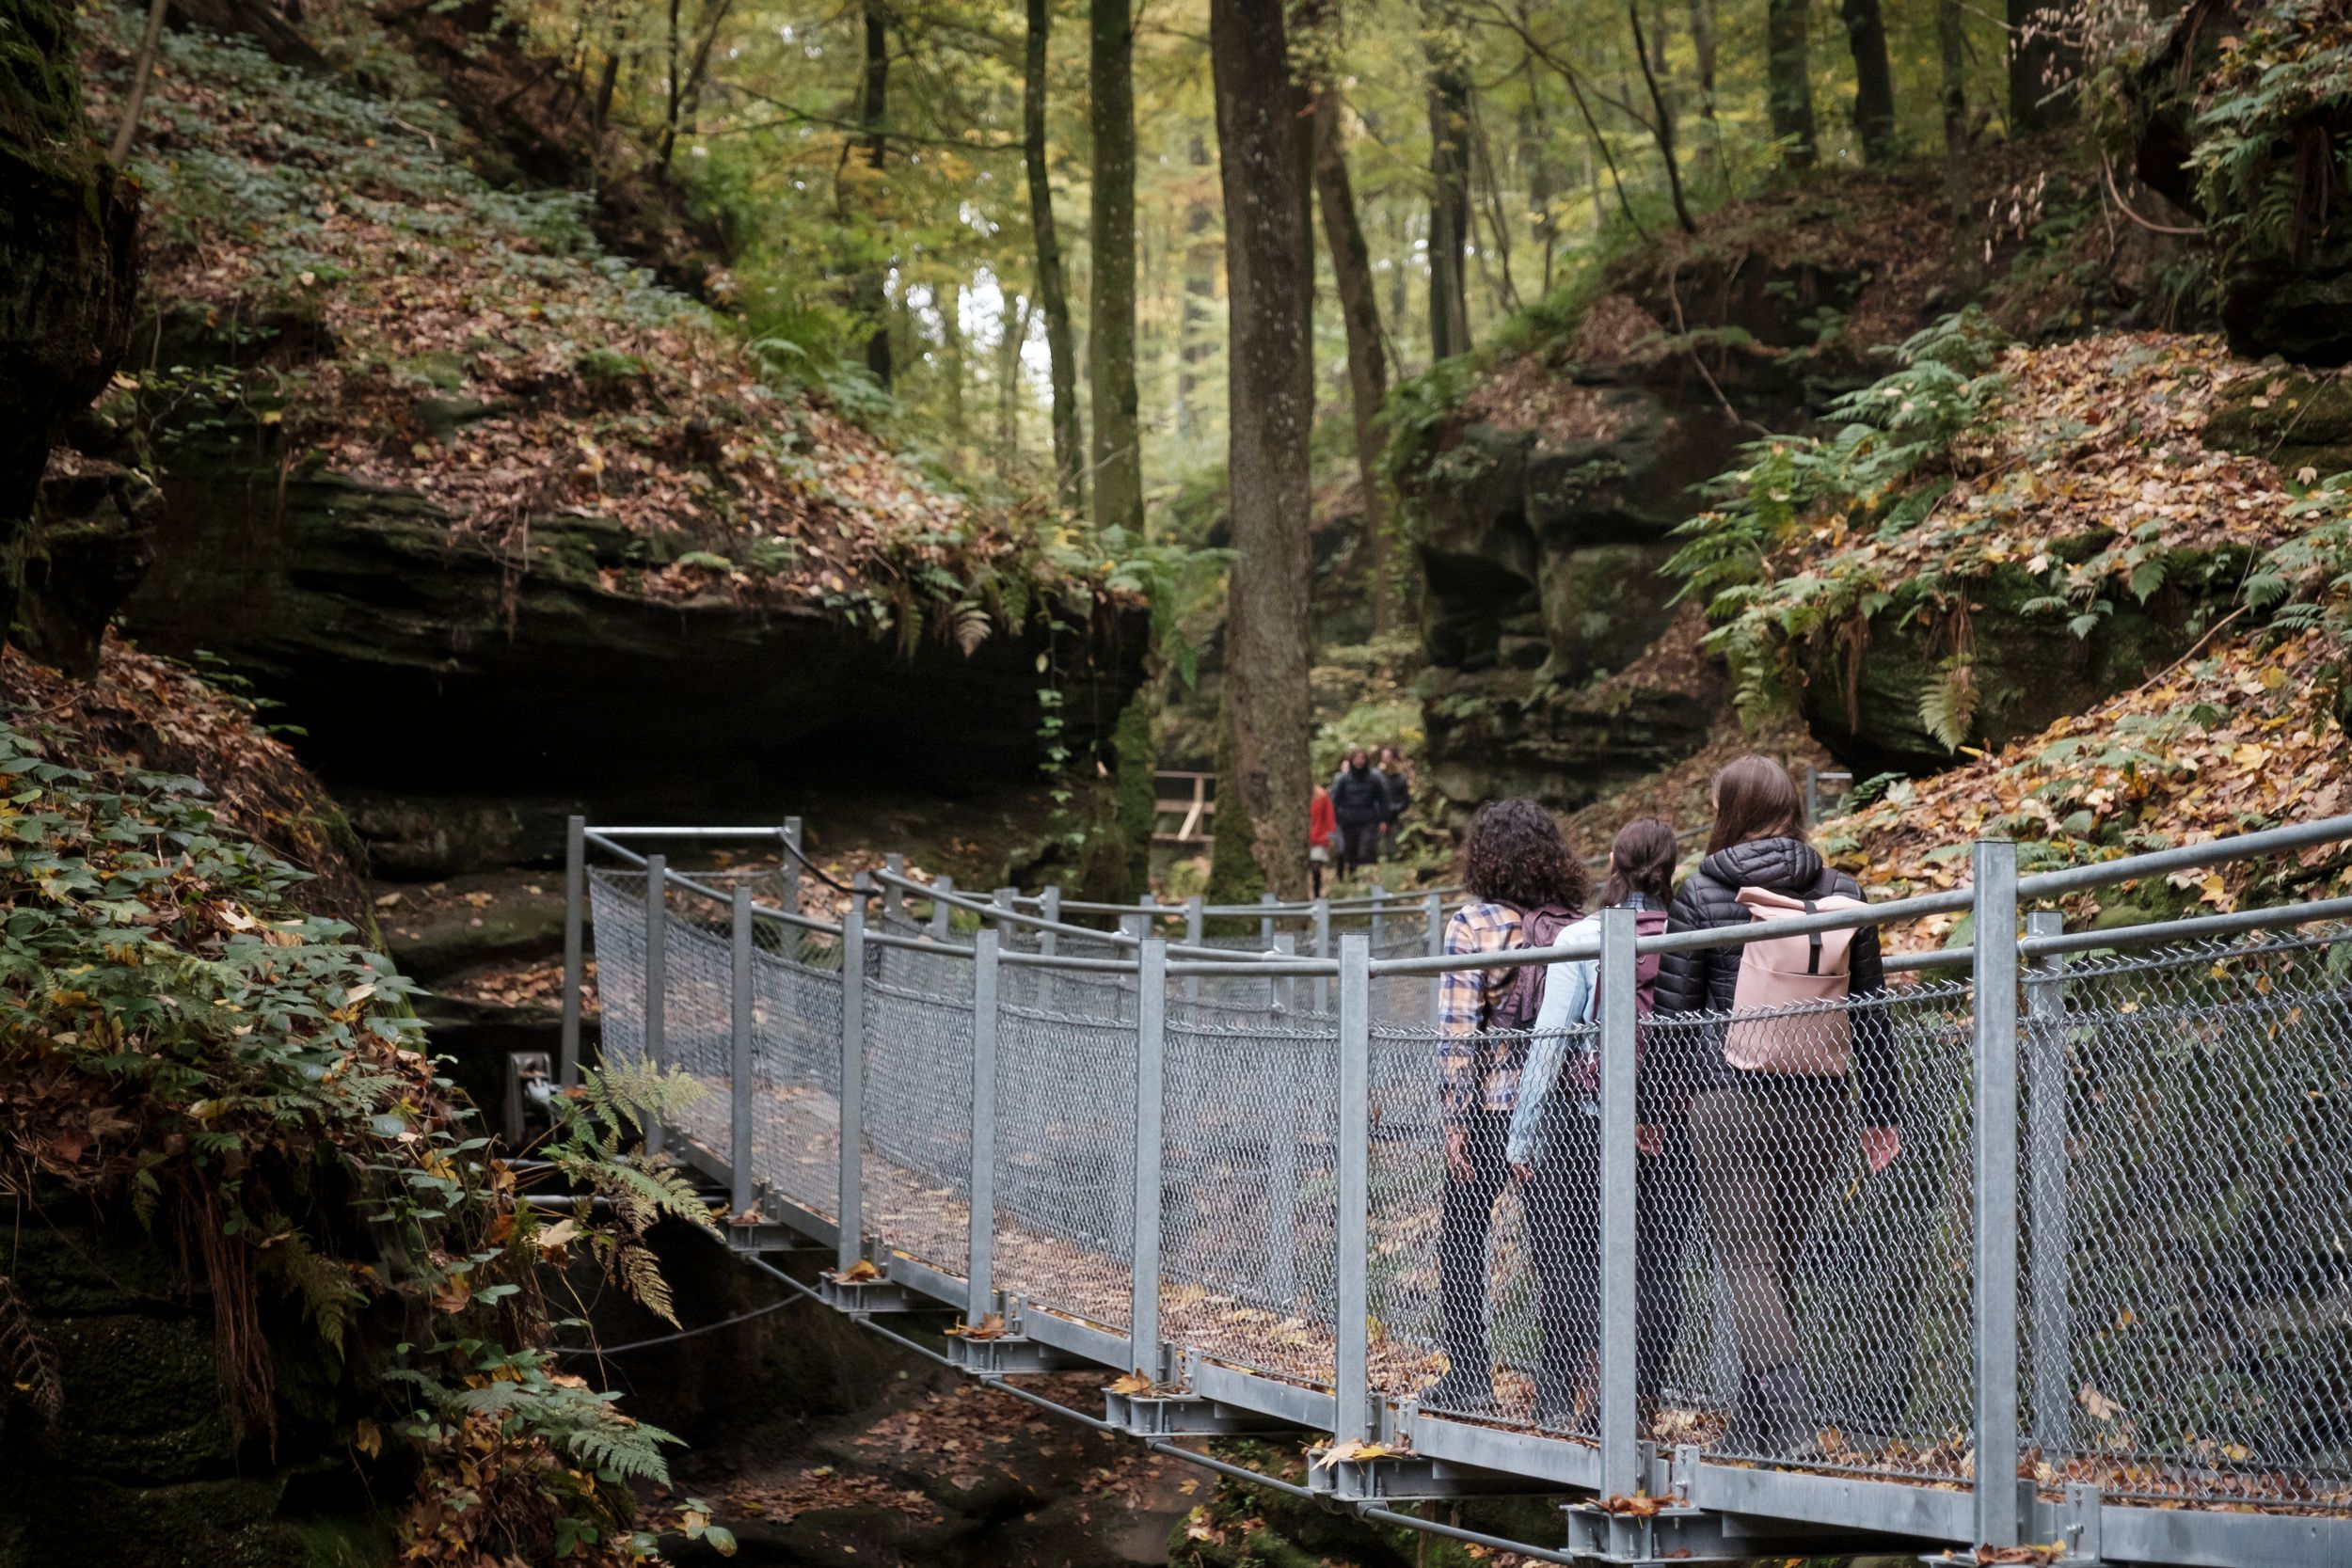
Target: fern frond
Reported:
point(26, 1362)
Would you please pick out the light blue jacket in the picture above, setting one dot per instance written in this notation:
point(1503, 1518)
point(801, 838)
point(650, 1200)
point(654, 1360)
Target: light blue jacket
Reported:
point(1570, 987)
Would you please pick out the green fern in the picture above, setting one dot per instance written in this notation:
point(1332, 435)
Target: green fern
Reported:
point(1949, 706)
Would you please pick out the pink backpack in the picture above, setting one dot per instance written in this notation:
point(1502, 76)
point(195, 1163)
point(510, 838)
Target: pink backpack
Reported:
point(1805, 969)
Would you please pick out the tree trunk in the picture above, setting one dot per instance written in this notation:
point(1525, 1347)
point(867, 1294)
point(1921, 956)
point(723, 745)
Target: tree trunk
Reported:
point(1500, 283)
point(873, 108)
point(1192, 344)
point(1052, 295)
point(1114, 454)
point(689, 117)
point(673, 98)
point(1013, 331)
point(1703, 46)
point(1662, 127)
point(142, 68)
point(1449, 206)
point(1788, 79)
point(1874, 80)
point(2040, 66)
point(950, 303)
point(1535, 157)
point(1270, 412)
point(1360, 309)
point(1952, 50)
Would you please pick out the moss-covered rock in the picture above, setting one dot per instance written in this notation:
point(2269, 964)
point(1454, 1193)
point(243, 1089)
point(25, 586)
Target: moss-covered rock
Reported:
point(2294, 419)
point(68, 259)
point(1864, 696)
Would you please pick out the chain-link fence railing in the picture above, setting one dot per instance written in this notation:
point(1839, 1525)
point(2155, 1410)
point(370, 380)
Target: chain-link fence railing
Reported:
point(2190, 1311)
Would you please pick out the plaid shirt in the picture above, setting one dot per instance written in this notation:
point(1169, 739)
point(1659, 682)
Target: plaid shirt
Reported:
point(1476, 1072)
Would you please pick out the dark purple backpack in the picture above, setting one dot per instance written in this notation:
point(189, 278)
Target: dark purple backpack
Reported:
point(1522, 998)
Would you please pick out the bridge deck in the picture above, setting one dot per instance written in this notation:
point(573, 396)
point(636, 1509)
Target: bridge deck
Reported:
point(2166, 1326)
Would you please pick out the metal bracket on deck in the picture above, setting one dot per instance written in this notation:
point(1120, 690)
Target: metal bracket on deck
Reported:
point(1181, 1415)
point(1408, 1478)
point(865, 1298)
point(770, 1237)
point(1008, 1352)
point(1675, 1533)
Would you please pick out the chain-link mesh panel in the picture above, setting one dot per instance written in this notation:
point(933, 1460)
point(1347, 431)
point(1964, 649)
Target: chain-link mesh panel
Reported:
point(1249, 1194)
point(1480, 1272)
point(918, 1121)
point(1066, 1162)
point(616, 908)
point(2188, 1300)
point(796, 1124)
point(697, 1031)
point(1819, 1312)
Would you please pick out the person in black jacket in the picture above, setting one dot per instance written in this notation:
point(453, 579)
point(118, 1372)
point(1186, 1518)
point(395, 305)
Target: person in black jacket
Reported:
point(1766, 1144)
point(1400, 797)
point(1359, 797)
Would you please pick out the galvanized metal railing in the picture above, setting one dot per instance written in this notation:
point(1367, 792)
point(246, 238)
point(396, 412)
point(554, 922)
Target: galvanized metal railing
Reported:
point(2113, 1260)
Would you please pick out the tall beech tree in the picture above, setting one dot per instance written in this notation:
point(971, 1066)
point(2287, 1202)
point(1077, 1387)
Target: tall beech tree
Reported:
point(1263, 166)
point(1873, 78)
point(1053, 292)
point(1788, 79)
point(1449, 189)
point(1360, 309)
point(1114, 454)
point(873, 119)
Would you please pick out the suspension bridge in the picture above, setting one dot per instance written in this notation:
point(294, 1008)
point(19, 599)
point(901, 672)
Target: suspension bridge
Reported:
point(2099, 1310)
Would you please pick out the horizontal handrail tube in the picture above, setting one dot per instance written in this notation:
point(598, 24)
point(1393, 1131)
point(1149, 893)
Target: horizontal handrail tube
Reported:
point(590, 835)
point(2296, 835)
point(997, 911)
point(1057, 960)
point(765, 912)
point(2185, 930)
point(916, 945)
point(1227, 967)
point(769, 832)
point(1935, 957)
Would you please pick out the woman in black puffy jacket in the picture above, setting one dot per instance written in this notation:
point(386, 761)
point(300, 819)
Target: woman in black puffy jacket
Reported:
point(1766, 1144)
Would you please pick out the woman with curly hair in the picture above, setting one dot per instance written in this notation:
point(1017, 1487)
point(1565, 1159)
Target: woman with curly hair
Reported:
point(1524, 886)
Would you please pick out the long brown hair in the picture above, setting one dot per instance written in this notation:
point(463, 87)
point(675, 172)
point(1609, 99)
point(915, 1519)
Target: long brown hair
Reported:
point(1641, 860)
point(1755, 798)
point(1514, 854)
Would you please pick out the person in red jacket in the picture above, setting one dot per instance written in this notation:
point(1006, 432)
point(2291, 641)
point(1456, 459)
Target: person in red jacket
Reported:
point(1323, 824)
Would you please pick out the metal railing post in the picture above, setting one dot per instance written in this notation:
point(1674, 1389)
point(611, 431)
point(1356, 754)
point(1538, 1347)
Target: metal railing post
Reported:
point(1143, 1318)
point(1286, 1084)
point(1995, 1054)
point(1351, 1379)
point(981, 1248)
point(2048, 1235)
point(1049, 942)
point(1380, 904)
point(941, 909)
point(657, 979)
point(740, 1163)
point(1265, 921)
point(792, 864)
point(1433, 915)
point(852, 1217)
point(575, 970)
point(1195, 932)
point(1620, 1455)
point(1323, 950)
point(893, 900)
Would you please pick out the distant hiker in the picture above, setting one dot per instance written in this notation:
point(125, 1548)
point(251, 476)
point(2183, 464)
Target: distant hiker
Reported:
point(1771, 1100)
point(1554, 1147)
point(1524, 886)
point(1359, 800)
point(1322, 827)
point(1392, 773)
